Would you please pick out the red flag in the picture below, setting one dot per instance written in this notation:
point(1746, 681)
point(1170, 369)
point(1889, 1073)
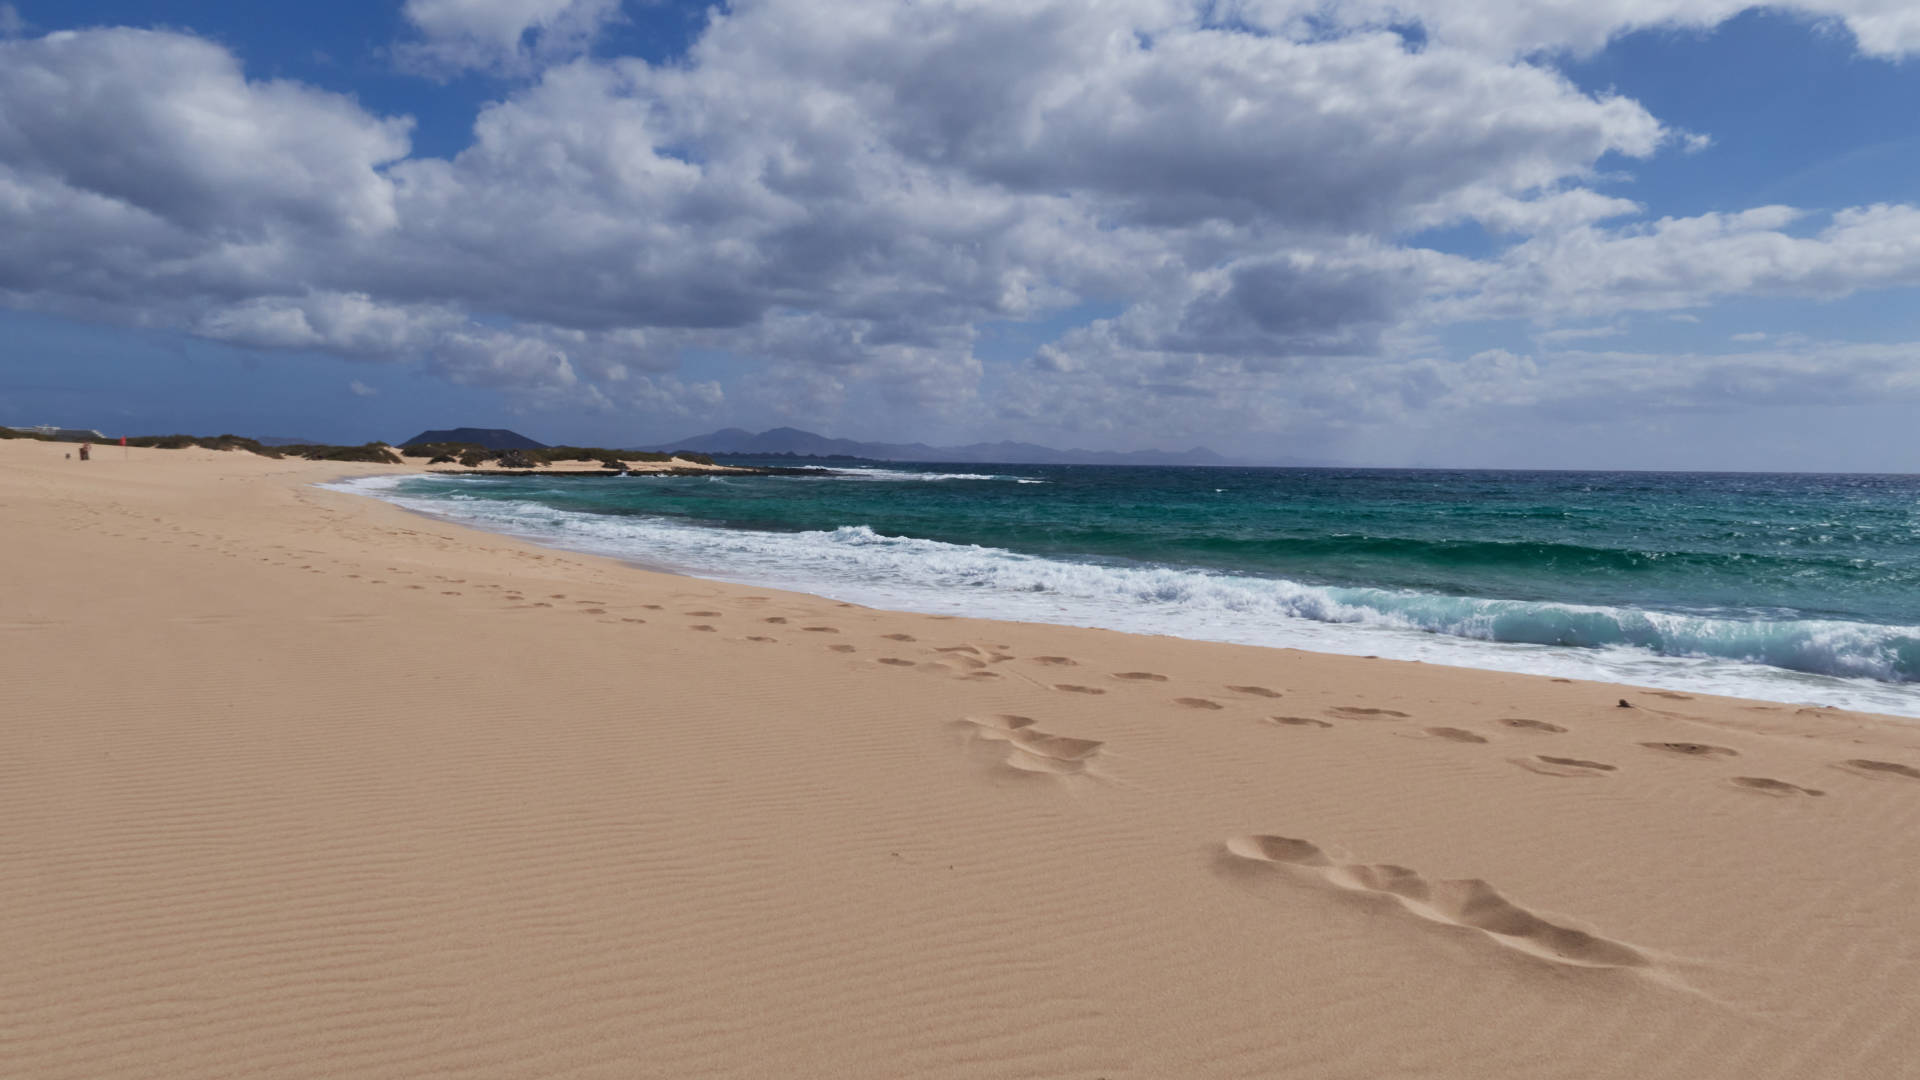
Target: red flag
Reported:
point(123, 440)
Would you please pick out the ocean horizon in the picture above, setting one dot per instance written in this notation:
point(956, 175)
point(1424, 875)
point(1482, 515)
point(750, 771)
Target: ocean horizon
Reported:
point(1788, 587)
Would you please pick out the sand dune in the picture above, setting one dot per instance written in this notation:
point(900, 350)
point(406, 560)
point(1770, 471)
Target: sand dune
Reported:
point(300, 785)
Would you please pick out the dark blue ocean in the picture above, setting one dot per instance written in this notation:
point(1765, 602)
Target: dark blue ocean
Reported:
point(1795, 588)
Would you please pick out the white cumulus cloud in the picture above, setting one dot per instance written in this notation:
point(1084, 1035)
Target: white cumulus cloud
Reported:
point(845, 197)
point(509, 37)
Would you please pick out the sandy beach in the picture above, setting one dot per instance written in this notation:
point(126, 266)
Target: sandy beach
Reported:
point(298, 784)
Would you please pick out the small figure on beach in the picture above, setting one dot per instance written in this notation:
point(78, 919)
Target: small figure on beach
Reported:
point(86, 451)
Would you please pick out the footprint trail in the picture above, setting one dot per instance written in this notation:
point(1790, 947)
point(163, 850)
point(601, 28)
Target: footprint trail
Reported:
point(1468, 903)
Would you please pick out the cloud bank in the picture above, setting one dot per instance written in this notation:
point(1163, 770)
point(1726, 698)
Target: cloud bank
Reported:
point(846, 201)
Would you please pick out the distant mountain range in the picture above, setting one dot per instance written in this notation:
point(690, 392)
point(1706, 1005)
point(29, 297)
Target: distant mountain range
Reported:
point(491, 438)
point(792, 441)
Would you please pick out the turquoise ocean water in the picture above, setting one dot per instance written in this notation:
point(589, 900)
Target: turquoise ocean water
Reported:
point(1795, 588)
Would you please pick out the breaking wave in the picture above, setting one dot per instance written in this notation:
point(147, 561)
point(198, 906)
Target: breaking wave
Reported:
point(1854, 664)
point(906, 474)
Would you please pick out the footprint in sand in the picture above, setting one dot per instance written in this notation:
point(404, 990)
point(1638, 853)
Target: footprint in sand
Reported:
point(702, 614)
point(631, 619)
point(841, 648)
point(999, 722)
point(968, 649)
point(1198, 703)
point(821, 629)
point(651, 607)
point(1139, 676)
point(703, 627)
point(895, 661)
point(1299, 721)
point(1880, 769)
point(557, 596)
point(1468, 903)
point(1356, 712)
point(593, 611)
point(777, 620)
point(1255, 691)
point(1030, 750)
point(1563, 766)
point(758, 637)
point(449, 592)
point(1525, 724)
point(1691, 749)
point(1454, 734)
point(1075, 688)
point(1056, 661)
point(1669, 695)
point(1777, 788)
point(899, 637)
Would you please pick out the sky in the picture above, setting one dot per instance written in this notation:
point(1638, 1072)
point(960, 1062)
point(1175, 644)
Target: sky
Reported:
point(1558, 234)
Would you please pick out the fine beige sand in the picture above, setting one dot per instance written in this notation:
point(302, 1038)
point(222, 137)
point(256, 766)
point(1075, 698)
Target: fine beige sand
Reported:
point(296, 784)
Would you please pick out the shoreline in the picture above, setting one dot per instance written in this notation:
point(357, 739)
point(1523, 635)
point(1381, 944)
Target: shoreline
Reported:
point(1740, 680)
point(306, 784)
point(631, 470)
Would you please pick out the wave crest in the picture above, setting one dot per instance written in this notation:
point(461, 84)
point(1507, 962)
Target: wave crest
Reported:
point(1814, 646)
point(1709, 653)
point(907, 474)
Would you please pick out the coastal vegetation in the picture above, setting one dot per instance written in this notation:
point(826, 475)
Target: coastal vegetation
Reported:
point(472, 455)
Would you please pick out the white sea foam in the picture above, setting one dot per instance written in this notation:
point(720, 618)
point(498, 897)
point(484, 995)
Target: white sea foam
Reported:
point(873, 473)
point(1810, 661)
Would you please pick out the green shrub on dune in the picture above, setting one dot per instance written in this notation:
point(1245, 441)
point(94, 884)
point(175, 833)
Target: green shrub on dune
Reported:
point(373, 451)
point(215, 442)
point(451, 450)
point(164, 442)
point(240, 442)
